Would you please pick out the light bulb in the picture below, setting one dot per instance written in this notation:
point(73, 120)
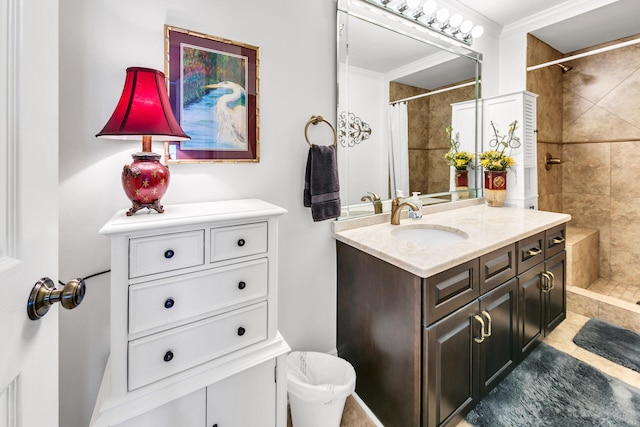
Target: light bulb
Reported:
point(455, 20)
point(442, 15)
point(412, 4)
point(477, 31)
point(429, 7)
point(466, 27)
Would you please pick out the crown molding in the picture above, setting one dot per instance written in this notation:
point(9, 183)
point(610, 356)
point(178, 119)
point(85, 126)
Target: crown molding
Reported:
point(552, 15)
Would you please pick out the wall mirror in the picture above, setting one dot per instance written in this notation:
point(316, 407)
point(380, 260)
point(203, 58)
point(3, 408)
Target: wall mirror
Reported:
point(390, 148)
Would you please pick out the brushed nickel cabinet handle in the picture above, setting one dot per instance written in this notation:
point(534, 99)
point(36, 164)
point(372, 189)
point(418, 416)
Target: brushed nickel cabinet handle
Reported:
point(481, 321)
point(534, 251)
point(546, 282)
point(486, 314)
point(552, 279)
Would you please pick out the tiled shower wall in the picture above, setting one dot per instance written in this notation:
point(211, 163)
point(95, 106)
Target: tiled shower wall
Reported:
point(428, 143)
point(597, 183)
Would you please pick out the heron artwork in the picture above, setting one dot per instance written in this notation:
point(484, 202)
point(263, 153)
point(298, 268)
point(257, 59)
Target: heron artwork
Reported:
point(230, 114)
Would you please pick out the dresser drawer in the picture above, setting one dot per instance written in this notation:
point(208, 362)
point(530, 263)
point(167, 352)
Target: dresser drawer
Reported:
point(450, 290)
point(497, 267)
point(555, 240)
point(173, 301)
point(158, 356)
point(238, 241)
point(167, 252)
point(530, 252)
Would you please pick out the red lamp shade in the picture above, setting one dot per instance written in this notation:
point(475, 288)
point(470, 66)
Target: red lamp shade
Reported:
point(143, 113)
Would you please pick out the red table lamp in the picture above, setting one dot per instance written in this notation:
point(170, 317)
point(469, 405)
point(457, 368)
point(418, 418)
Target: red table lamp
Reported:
point(144, 112)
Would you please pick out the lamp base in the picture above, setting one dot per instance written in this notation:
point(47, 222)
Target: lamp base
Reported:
point(156, 206)
point(145, 181)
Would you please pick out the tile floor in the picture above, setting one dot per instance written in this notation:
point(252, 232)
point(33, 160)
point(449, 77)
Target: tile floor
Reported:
point(561, 338)
point(623, 291)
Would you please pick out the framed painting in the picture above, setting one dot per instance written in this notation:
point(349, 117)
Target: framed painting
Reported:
point(213, 90)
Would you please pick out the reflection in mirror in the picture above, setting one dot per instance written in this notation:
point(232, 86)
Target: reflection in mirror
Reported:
point(397, 90)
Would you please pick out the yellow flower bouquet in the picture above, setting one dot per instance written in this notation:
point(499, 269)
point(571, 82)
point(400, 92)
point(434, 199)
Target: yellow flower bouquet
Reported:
point(496, 159)
point(460, 160)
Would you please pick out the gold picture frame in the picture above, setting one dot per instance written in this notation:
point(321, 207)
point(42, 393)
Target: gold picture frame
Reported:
point(213, 86)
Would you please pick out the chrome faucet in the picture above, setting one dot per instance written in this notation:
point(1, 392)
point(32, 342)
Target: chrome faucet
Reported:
point(375, 199)
point(396, 208)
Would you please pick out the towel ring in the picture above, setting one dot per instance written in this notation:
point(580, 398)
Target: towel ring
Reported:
point(314, 120)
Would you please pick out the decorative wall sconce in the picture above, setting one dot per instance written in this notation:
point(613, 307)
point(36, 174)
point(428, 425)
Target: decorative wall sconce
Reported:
point(352, 130)
point(427, 14)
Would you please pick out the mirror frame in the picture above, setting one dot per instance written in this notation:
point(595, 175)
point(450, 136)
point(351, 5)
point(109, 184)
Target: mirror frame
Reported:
point(345, 11)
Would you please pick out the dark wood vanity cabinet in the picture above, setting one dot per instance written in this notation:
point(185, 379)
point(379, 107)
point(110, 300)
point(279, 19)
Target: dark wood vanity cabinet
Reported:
point(461, 364)
point(541, 287)
point(426, 350)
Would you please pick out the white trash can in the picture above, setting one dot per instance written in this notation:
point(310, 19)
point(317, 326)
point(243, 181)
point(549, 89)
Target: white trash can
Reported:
point(318, 386)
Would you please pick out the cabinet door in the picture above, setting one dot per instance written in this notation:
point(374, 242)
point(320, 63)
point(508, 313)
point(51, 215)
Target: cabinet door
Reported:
point(499, 352)
point(245, 399)
point(189, 410)
point(555, 299)
point(450, 376)
point(530, 325)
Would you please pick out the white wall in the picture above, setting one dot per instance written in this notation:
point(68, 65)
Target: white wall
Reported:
point(99, 39)
point(368, 161)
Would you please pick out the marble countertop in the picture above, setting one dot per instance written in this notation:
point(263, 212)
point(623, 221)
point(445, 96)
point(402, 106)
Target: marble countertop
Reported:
point(487, 228)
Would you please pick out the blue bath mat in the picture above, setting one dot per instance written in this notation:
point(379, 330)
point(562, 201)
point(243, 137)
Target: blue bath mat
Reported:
point(612, 342)
point(552, 389)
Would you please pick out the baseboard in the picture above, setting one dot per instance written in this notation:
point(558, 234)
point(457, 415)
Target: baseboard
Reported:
point(367, 411)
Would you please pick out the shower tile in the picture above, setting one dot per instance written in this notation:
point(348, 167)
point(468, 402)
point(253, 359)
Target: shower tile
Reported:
point(550, 202)
point(573, 106)
point(624, 168)
point(595, 76)
point(623, 100)
point(419, 170)
point(586, 168)
point(580, 303)
point(597, 124)
point(582, 257)
point(623, 266)
point(619, 313)
point(625, 225)
point(589, 211)
point(549, 181)
point(592, 211)
point(438, 171)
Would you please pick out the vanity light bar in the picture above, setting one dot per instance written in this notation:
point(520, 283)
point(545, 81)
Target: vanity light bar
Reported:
point(429, 16)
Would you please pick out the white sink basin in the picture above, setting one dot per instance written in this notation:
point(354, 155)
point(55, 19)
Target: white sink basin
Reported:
point(429, 234)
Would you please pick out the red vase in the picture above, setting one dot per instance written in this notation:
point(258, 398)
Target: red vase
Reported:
point(462, 183)
point(145, 181)
point(495, 187)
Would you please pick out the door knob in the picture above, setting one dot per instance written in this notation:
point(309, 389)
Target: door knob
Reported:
point(44, 294)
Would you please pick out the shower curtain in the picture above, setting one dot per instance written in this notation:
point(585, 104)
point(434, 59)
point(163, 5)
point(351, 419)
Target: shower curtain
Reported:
point(399, 149)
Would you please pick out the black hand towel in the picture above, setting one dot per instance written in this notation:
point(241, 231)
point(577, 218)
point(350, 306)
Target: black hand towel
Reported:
point(321, 185)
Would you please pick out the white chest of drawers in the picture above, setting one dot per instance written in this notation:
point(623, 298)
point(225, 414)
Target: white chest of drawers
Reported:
point(194, 318)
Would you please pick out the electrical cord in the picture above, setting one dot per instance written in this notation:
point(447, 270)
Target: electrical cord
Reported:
point(89, 276)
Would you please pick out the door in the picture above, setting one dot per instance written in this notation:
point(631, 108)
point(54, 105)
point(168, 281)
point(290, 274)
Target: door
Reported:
point(28, 209)
point(450, 376)
point(530, 328)
point(499, 352)
point(555, 299)
point(255, 388)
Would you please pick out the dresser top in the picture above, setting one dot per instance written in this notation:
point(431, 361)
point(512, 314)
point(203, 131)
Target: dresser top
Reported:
point(191, 213)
